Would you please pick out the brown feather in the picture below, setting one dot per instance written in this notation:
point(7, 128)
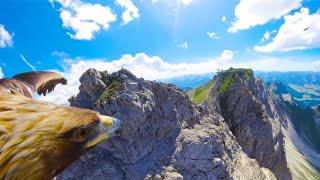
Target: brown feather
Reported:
point(12, 86)
point(41, 81)
point(33, 137)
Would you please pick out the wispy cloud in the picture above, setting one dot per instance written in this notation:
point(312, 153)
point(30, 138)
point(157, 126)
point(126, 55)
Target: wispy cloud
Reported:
point(5, 37)
point(183, 45)
point(213, 35)
point(60, 54)
point(224, 19)
point(27, 62)
point(227, 55)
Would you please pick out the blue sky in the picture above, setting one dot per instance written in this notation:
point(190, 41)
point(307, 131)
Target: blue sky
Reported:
point(156, 37)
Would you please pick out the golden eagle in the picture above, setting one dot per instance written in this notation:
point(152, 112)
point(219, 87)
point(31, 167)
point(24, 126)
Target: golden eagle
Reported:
point(38, 140)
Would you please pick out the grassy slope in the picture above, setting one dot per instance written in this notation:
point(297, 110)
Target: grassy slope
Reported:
point(200, 94)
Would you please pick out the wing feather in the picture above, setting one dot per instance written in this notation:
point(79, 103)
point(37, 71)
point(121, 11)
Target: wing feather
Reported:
point(42, 82)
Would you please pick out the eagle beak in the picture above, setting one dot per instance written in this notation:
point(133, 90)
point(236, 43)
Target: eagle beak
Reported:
point(108, 128)
point(111, 124)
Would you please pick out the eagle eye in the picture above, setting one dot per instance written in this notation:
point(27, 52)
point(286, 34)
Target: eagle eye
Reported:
point(81, 134)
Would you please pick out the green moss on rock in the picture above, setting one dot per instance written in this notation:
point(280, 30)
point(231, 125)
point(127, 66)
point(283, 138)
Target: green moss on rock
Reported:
point(109, 92)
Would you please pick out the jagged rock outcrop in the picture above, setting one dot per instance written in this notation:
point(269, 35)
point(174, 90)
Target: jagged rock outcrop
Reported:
point(252, 114)
point(163, 136)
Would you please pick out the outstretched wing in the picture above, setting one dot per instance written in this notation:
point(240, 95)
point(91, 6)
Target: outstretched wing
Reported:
point(42, 82)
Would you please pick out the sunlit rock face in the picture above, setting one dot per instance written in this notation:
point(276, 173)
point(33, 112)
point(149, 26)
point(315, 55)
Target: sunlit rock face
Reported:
point(251, 113)
point(164, 135)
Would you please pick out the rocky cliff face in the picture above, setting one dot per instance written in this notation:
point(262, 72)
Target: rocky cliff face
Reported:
point(165, 136)
point(253, 116)
point(317, 118)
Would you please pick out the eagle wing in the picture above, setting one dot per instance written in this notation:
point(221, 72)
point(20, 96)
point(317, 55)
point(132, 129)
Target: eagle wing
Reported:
point(42, 82)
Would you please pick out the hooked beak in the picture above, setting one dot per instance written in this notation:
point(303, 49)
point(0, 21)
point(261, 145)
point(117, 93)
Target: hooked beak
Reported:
point(108, 128)
point(111, 124)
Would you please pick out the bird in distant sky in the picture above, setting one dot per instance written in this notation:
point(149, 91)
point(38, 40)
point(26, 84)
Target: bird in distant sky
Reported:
point(38, 140)
point(306, 28)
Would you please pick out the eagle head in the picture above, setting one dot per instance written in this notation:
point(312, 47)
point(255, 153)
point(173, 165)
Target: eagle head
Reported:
point(38, 140)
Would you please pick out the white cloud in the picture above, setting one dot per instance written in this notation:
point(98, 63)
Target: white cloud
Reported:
point(226, 55)
point(5, 37)
point(153, 67)
point(250, 13)
point(1, 73)
point(213, 35)
point(84, 19)
point(131, 11)
point(224, 19)
point(299, 31)
point(183, 45)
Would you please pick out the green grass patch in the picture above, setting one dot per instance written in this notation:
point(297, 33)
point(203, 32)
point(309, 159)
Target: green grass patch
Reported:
point(227, 83)
point(201, 93)
point(109, 92)
point(231, 74)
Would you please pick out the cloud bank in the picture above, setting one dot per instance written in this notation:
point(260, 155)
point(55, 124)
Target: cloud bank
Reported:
point(154, 67)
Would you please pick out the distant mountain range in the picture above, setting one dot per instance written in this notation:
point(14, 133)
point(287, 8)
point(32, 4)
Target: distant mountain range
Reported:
point(304, 87)
point(189, 81)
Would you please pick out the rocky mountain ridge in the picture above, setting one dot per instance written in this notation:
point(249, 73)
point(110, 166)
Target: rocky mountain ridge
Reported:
point(251, 112)
point(166, 136)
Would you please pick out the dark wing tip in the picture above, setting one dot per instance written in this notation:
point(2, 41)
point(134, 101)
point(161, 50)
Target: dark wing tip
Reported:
point(41, 81)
